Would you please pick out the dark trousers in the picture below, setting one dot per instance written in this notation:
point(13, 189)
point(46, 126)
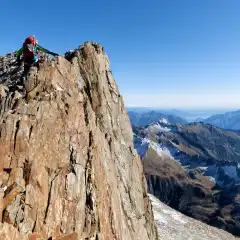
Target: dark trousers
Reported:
point(28, 63)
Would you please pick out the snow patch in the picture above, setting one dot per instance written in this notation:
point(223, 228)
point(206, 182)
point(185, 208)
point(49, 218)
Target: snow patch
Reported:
point(173, 225)
point(164, 121)
point(160, 149)
point(157, 128)
point(203, 168)
point(231, 171)
point(142, 145)
point(212, 179)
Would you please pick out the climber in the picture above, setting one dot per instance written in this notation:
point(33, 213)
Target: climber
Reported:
point(30, 51)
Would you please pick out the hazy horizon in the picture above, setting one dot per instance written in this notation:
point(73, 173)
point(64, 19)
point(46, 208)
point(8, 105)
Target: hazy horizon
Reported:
point(183, 108)
point(184, 101)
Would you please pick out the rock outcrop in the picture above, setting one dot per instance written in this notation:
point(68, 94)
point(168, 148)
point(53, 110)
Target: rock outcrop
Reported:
point(68, 169)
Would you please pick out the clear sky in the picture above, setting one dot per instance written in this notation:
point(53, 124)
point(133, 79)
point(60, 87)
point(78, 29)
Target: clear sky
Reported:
point(163, 53)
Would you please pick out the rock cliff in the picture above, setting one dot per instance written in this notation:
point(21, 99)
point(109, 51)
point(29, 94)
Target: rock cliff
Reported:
point(68, 169)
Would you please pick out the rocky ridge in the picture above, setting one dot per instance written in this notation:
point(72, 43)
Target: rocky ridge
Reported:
point(68, 169)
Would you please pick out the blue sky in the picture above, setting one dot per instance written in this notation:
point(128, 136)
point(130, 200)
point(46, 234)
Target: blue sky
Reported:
point(163, 53)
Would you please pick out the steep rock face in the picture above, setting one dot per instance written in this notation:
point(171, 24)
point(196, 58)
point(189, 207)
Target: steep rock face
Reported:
point(67, 162)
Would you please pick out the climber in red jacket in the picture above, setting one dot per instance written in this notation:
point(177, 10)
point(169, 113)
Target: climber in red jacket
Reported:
point(30, 52)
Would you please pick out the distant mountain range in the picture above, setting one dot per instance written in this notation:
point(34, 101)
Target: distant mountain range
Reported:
point(194, 168)
point(188, 114)
point(229, 120)
point(145, 118)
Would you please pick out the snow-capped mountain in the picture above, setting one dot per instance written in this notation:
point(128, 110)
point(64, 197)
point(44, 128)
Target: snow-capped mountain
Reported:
point(145, 118)
point(193, 168)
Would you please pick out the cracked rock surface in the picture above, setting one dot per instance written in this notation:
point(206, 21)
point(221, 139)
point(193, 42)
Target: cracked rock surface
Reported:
point(68, 169)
